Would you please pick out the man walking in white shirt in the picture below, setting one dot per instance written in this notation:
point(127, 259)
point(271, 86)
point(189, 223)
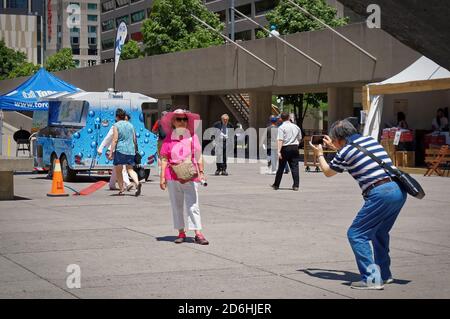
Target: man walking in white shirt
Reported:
point(289, 137)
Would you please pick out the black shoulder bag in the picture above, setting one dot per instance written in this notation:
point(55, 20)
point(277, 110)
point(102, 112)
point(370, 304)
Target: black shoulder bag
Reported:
point(404, 180)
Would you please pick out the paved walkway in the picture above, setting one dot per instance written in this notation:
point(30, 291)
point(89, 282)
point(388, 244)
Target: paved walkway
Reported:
point(264, 243)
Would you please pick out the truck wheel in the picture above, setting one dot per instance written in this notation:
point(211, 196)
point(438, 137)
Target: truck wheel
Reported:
point(68, 174)
point(52, 166)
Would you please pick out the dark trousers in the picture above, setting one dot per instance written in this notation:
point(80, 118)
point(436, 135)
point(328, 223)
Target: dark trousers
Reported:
point(290, 156)
point(222, 157)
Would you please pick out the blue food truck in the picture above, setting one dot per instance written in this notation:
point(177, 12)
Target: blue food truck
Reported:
point(78, 123)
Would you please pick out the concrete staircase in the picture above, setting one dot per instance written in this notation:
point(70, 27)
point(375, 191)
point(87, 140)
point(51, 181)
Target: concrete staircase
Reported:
point(239, 107)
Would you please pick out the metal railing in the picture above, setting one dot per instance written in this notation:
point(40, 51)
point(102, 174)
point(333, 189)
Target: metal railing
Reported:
point(236, 44)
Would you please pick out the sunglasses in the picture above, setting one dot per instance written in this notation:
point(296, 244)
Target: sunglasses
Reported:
point(179, 119)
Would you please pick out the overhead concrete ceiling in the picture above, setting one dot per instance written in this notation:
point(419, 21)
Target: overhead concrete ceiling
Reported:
point(422, 25)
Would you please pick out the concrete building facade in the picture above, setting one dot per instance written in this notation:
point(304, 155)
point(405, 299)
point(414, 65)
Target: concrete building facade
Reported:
point(76, 25)
point(22, 27)
point(113, 12)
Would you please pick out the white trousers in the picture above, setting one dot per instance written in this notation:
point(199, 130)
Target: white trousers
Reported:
point(273, 160)
point(185, 207)
point(113, 179)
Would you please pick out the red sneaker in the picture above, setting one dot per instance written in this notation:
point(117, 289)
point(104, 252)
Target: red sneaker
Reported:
point(180, 239)
point(201, 240)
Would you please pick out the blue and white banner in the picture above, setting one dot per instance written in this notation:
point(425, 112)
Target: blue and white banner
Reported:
point(120, 40)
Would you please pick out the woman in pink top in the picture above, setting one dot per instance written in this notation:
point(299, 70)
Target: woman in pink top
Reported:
point(178, 145)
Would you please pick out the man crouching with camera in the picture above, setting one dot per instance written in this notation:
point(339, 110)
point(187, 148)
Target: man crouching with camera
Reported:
point(383, 200)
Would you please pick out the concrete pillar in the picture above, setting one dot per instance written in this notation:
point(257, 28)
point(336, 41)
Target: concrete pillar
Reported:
point(260, 109)
point(6, 185)
point(200, 104)
point(340, 104)
point(180, 101)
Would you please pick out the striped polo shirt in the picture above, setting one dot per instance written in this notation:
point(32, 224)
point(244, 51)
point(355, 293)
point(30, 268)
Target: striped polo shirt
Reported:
point(362, 168)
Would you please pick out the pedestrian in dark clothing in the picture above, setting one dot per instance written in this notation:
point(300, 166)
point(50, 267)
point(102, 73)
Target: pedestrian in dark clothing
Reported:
point(221, 147)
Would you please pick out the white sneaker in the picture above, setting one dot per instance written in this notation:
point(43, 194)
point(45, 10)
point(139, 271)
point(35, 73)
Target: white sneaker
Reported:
point(388, 281)
point(361, 285)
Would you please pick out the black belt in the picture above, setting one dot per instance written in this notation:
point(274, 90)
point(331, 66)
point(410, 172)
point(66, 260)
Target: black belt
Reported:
point(376, 184)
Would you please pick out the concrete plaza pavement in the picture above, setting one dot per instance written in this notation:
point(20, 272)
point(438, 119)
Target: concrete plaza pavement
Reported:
point(264, 243)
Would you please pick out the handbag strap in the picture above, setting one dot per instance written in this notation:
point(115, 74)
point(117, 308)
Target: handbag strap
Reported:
point(194, 161)
point(383, 165)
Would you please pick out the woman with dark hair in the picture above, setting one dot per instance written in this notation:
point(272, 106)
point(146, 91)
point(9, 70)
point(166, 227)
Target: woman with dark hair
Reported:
point(123, 150)
point(401, 121)
point(440, 122)
point(383, 200)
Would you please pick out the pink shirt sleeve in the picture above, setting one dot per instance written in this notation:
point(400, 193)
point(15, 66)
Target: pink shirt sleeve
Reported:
point(164, 151)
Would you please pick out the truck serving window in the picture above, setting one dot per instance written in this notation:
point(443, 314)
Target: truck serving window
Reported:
point(68, 113)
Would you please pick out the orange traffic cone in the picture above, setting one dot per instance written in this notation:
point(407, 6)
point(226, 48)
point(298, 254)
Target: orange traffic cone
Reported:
point(57, 183)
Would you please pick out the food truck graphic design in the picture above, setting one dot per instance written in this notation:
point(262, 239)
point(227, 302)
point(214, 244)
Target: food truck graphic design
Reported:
point(78, 123)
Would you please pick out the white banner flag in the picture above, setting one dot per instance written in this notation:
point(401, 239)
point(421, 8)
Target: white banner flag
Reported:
point(120, 40)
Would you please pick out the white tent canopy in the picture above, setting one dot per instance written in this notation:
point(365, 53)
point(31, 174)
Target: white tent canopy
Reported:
point(422, 75)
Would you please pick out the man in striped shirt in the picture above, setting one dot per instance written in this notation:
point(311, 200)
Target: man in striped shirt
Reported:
point(383, 201)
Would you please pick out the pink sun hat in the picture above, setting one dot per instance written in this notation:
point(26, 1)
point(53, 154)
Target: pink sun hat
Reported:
point(166, 121)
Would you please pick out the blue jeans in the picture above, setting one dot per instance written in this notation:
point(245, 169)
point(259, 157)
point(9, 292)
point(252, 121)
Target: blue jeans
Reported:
point(372, 224)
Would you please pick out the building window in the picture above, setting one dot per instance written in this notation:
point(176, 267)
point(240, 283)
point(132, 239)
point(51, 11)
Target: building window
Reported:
point(92, 6)
point(74, 40)
point(245, 9)
point(16, 4)
point(92, 29)
point(137, 16)
point(124, 19)
point(121, 3)
point(92, 17)
point(92, 62)
point(107, 44)
point(108, 6)
point(76, 51)
point(222, 15)
point(92, 51)
point(92, 41)
point(263, 6)
point(77, 63)
point(243, 35)
point(133, 1)
point(108, 25)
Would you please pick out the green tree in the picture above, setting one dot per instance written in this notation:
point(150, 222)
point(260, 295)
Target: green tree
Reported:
point(131, 50)
point(12, 61)
point(24, 69)
point(171, 28)
point(61, 60)
point(289, 19)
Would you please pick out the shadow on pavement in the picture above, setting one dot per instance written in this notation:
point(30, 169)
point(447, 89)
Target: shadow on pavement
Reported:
point(341, 275)
point(172, 238)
